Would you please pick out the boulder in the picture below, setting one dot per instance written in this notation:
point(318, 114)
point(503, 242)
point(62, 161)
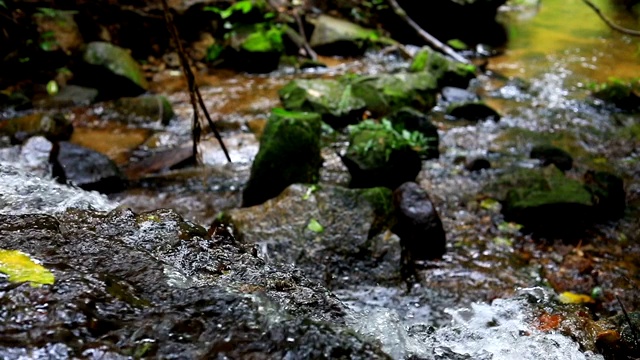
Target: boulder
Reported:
point(548, 154)
point(332, 99)
point(85, 168)
point(337, 37)
point(111, 70)
point(343, 102)
point(419, 227)
point(380, 156)
point(289, 153)
point(446, 71)
point(68, 96)
point(452, 94)
point(546, 202)
point(333, 234)
point(143, 109)
point(124, 285)
point(472, 111)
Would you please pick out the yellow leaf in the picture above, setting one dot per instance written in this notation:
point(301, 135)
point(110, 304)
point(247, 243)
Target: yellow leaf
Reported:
point(19, 267)
point(568, 297)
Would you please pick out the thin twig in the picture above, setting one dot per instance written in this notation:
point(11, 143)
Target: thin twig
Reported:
point(194, 91)
point(610, 23)
point(439, 45)
point(632, 328)
point(312, 54)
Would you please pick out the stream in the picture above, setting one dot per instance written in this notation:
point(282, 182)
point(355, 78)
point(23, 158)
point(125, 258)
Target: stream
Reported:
point(485, 298)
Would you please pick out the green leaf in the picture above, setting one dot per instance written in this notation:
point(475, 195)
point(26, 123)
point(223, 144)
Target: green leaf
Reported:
point(52, 87)
point(490, 204)
point(457, 44)
point(315, 226)
point(213, 52)
point(310, 190)
point(20, 268)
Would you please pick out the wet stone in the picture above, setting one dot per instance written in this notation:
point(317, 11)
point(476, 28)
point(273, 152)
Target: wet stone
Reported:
point(453, 95)
point(548, 155)
point(117, 295)
point(477, 164)
point(418, 226)
point(85, 168)
point(472, 111)
point(54, 126)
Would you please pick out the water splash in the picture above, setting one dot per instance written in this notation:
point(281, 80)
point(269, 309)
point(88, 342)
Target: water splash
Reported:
point(22, 192)
point(502, 330)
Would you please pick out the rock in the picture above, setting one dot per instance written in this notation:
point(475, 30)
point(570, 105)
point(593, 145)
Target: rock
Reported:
point(144, 109)
point(447, 72)
point(385, 93)
point(477, 164)
point(332, 99)
point(337, 37)
point(154, 285)
point(621, 339)
point(411, 119)
point(608, 193)
point(112, 71)
point(472, 111)
point(343, 102)
point(548, 155)
point(85, 168)
point(35, 154)
point(418, 226)
point(311, 64)
point(546, 202)
point(54, 127)
point(452, 94)
point(622, 94)
point(379, 156)
point(68, 96)
point(333, 234)
point(289, 153)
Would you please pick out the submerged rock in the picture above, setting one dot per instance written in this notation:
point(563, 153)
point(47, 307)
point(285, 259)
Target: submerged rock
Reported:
point(112, 71)
point(150, 285)
point(289, 153)
point(419, 227)
point(85, 168)
point(333, 234)
point(145, 109)
point(548, 155)
point(472, 111)
point(333, 36)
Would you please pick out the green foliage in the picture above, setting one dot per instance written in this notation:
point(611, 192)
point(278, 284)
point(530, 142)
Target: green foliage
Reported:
point(315, 226)
point(2, 4)
point(48, 41)
point(396, 139)
point(213, 52)
point(457, 44)
point(52, 87)
point(244, 7)
point(623, 93)
point(267, 37)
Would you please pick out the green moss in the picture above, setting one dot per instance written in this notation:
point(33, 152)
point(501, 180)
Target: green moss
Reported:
point(548, 186)
point(266, 38)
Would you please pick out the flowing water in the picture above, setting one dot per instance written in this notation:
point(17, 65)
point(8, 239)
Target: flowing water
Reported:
point(480, 302)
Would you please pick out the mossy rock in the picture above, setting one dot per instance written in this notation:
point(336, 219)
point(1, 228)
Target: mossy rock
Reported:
point(333, 36)
point(472, 111)
point(343, 102)
point(607, 191)
point(546, 202)
point(378, 157)
point(624, 94)
point(447, 72)
point(146, 108)
point(330, 98)
point(289, 153)
point(119, 63)
point(255, 48)
point(387, 92)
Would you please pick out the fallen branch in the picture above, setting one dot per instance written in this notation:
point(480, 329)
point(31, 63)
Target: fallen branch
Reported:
point(610, 23)
point(437, 44)
point(194, 91)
